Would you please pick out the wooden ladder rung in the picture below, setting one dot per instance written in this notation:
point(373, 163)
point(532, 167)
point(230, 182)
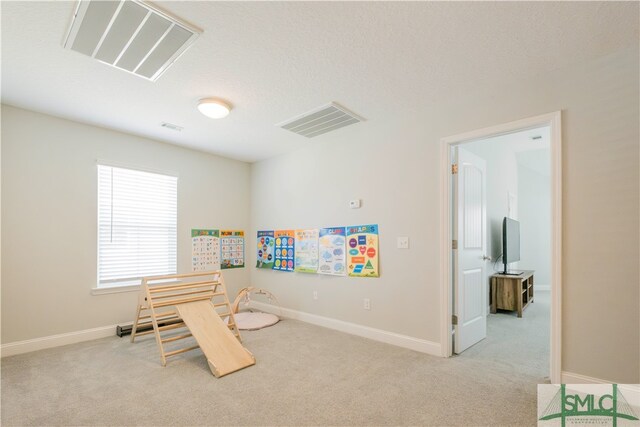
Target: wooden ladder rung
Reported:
point(173, 326)
point(176, 338)
point(173, 286)
point(182, 301)
point(181, 350)
point(220, 304)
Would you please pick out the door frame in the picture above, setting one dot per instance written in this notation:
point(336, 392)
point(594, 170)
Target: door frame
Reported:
point(553, 120)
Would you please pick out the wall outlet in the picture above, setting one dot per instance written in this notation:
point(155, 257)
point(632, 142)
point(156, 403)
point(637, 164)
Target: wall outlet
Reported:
point(315, 294)
point(403, 243)
point(354, 204)
point(367, 304)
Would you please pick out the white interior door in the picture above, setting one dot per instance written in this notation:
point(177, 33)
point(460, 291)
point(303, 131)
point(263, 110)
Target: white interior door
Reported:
point(470, 231)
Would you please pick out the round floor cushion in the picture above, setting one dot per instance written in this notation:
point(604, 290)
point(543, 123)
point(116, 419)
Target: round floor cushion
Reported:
point(252, 320)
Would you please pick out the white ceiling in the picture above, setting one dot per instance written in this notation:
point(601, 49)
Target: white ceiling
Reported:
point(275, 60)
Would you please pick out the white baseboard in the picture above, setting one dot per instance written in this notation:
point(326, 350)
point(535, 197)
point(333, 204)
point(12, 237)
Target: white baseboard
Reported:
point(19, 347)
point(417, 344)
point(571, 378)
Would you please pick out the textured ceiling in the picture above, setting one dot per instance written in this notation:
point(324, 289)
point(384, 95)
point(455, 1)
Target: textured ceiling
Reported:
point(275, 60)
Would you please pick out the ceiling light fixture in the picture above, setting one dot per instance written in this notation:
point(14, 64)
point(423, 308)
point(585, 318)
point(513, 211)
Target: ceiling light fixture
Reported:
point(214, 108)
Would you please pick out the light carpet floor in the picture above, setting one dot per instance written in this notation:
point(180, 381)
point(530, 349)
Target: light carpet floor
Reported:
point(305, 375)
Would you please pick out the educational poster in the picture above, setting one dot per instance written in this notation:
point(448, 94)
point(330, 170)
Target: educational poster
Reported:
point(306, 251)
point(205, 250)
point(232, 244)
point(362, 247)
point(266, 243)
point(332, 259)
point(284, 250)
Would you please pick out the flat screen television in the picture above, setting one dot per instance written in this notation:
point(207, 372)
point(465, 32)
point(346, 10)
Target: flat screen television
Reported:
point(510, 244)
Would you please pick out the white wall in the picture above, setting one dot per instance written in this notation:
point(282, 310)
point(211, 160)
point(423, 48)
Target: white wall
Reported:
point(534, 210)
point(49, 208)
point(394, 168)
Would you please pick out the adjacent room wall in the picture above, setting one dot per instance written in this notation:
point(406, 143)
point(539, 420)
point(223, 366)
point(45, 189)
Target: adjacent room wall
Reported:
point(394, 168)
point(534, 210)
point(501, 181)
point(49, 208)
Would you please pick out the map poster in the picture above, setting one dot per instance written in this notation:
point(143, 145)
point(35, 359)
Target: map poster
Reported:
point(362, 247)
point(332, 259)
point(306, 251)
point(205, 250)
point(232, 248)
point(266, 243)
point(284, 250)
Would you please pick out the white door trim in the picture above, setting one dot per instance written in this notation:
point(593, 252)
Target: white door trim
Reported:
point(554, 121)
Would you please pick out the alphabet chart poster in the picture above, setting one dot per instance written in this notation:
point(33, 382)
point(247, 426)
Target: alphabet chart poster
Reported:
point(266, 244)
point(362, 246)
point(306, 251)
point(284, 250)
point(232, 244)
point(332, 258)
point(205, 250)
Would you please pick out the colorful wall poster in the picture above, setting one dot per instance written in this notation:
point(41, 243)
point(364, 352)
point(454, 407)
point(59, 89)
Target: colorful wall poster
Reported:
point(284, 250)
point(306, 251)
point(205, 250)
point(332, 259)
point(266, 243)
point(232, 244)
point(362, 247)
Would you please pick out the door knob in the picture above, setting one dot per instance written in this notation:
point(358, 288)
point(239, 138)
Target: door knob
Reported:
point(486, 258)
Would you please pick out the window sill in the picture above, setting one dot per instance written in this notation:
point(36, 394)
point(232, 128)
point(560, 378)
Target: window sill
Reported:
point(104, 290)
point(119, 289)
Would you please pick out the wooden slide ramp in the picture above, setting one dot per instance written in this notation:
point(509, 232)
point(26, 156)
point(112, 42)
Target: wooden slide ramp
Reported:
point(180, 306)
point(223, 351)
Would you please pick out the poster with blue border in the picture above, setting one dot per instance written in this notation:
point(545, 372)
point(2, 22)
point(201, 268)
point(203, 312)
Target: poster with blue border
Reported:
point(265, 248)
point(332, 255)
point(362, 250)
point(284, 250)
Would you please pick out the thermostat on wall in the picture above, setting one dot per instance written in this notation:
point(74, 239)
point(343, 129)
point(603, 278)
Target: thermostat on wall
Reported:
point(354, 204)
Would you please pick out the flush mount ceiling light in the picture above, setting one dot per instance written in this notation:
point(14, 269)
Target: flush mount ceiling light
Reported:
point(214, 108)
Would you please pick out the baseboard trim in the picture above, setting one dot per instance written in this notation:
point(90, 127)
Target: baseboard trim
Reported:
point(405, 341)
point(573, 378)
point(19, 347)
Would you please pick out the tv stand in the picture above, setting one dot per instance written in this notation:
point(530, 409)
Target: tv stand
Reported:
point(512, 273)
point(511, 292)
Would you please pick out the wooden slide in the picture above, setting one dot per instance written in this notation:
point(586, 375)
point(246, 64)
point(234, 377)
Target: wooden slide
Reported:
point(223, 351)
point(182, 306)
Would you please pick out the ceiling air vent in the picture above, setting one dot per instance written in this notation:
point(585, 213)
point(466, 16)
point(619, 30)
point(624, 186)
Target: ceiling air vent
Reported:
point(130, 35)
point(321, 120)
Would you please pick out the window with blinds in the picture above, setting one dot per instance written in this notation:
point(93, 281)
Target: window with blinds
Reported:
point(137, 225)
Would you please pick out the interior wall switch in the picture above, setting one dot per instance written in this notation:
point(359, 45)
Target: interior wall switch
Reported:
point(354, 204)
point(315, 294)
point(367, 304)
point(403, 243)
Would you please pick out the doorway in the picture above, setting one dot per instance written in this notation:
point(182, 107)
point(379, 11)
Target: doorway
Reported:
point(466, 266)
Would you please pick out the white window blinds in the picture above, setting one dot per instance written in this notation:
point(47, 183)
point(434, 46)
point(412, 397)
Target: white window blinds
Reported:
point(137, 225)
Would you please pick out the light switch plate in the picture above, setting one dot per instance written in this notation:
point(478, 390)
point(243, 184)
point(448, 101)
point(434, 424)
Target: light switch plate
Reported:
point(403, 243)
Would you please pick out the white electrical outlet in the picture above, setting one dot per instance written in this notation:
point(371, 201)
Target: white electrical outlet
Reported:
point(403, 243)
point(354, 204)
point(367, 304)
point(315, 294)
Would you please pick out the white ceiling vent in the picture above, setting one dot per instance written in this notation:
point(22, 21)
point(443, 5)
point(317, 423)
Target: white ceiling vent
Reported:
point(321, 120)
point(130, 35)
